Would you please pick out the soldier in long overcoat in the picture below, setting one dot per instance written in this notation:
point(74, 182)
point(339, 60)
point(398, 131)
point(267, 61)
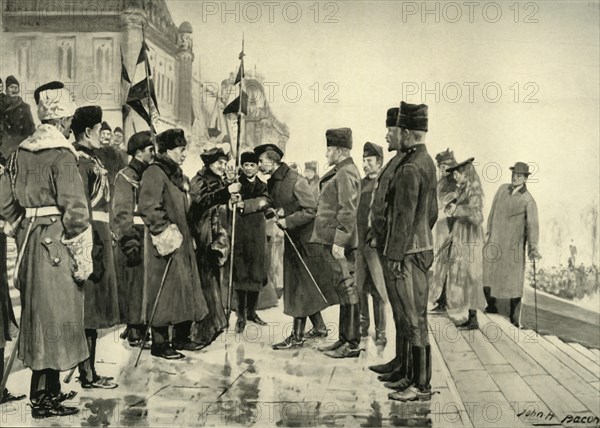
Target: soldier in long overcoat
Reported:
point(335, 232)
point(295, 205)
point(412, 213)
point(48, 214)
point(249, 269)
point(512, 229)
point(369, 272)
point(15, 116)
point(208, 217)
point(164, 208)
point(130, 232)
point(101, 289)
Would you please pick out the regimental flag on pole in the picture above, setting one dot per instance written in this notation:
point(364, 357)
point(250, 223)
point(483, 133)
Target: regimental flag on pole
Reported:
point(141, 96)
point(235, 107)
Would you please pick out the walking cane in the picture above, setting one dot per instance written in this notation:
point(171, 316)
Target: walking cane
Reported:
point(272, 214)
point(162, 285)
point(535, 297)
point(13, 353)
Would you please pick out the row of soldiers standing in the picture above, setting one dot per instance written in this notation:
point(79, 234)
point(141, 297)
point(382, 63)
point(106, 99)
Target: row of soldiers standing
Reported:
point(168, 232)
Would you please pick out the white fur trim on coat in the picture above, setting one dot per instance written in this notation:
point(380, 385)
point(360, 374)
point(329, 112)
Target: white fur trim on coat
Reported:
point(10, 229)
point(167, 241)
point(80, 249)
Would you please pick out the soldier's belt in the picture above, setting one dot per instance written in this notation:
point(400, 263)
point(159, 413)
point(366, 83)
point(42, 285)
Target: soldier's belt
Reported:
point(138, 220)
point(42, 211)
point(100, 216)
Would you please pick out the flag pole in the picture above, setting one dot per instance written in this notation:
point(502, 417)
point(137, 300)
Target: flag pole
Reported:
point(237, 164)
point(150, 102)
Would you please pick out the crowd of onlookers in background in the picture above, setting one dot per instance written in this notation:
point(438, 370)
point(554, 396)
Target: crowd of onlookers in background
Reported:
point(568, 282)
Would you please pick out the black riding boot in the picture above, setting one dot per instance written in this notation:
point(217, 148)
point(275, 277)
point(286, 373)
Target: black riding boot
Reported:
point(240, 325)
point(515, 311)
point(491, 301)
point(252, 297)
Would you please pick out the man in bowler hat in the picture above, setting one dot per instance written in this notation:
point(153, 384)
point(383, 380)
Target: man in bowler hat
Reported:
point(512, 225)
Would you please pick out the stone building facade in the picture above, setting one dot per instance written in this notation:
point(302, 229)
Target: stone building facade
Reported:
point(81, 43)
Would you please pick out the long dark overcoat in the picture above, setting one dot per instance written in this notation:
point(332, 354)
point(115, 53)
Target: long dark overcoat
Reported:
point(249, 270)
point(101, 289)
point(164, 202)
point(290, 191)
point(129, 231)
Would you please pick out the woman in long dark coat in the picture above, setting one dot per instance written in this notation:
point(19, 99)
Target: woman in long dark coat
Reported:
point(249, 270)
point(296, 207)
point(208, 216)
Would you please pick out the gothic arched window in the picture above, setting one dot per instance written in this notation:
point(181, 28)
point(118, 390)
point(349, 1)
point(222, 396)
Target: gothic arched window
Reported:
point(66, 55)
point(103, 60)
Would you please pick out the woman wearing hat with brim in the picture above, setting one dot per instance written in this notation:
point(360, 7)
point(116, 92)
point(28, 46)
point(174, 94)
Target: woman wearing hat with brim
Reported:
point(460, 256)
point(208, 218)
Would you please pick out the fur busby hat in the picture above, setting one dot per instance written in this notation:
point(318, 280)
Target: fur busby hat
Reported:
point(213, 155)
point(391, 118)
point(170, 139)
point(105, 127)
point(520, 168)
point(413, 116)
point(12, 80)
point(86, 117)
point(371, 149)
point(446, 157)
point(138, 141)
point(340, 137)
point(259, 150)
point(118, 129)
point(311, 165)
point(54, 101)
point(249, 157)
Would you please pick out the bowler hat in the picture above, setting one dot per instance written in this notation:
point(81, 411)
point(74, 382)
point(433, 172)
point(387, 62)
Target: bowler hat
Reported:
point(170, 139)
point(371, 149)
point(118, 129)
point(340, 137)
point(413, 116)
point(520, 168)
point(139, 141)
point(445, 157)
point(105, 127)
point(259, 150)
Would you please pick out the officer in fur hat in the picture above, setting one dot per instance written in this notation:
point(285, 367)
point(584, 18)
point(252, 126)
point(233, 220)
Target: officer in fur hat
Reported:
point(52, 214)
point(401, 365)
point(15, 117)
point(369, 272)
point(101, 291)
point(512, 226)
point(411, 215)
point(163, 206)
point(335, 230)
point(129, 230)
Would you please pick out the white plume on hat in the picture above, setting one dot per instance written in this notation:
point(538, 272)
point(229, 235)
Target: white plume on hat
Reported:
point(55, 104)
